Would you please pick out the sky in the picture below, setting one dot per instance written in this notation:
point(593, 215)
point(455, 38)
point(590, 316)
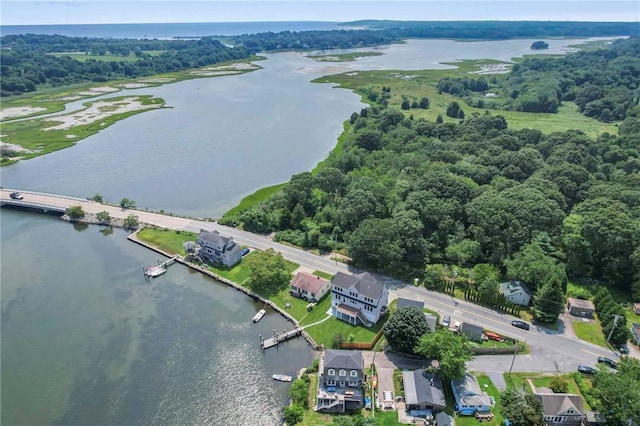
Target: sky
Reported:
point(29, 12)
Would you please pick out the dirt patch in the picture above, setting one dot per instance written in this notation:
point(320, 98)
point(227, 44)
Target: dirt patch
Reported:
point(158, 80)
point(96, 112)
point(98, 90)
point(132, 85)
point(322, 70)
point(214, 73)
point(239, 66)
point(69, 98)
point(12, 147)
point(13, 112)
point(493, 69)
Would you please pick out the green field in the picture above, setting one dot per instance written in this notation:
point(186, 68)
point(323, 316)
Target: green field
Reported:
point(252, 200)
point(82, 56)
point(417, 84)
point(591, 332)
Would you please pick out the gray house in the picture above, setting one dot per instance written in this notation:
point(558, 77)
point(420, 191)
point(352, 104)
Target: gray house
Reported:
point(516, 292)
point(423, 391)
point(560, 409)
point(358, 298)
point(469, 396)
point(340, 381)
point(580, 307)
point(473, 332)
point(218, 249)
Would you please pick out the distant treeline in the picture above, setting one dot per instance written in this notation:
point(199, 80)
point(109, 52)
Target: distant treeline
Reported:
point(605, 83)
point(28, 61)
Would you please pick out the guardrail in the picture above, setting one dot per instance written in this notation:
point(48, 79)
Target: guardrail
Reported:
point(49, 194)
point(31, 205)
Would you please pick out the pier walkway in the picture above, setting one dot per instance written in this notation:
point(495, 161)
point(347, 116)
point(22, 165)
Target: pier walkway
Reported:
point(279, 337)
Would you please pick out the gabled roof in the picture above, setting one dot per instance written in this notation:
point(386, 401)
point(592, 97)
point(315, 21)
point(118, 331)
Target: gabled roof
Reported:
point(471, 328)
point(364, 284)
point(214, 237)
point(444, 419)
point(403, 303)
point(558, 403)
point(467, 391)
point(636, 327)
point(423, 388)
point(349, 360)
point(514, 287)
point(311, 283)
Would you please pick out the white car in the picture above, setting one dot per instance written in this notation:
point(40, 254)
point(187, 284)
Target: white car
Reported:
point(457, 325)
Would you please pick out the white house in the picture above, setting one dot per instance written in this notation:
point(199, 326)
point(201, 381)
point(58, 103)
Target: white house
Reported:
point(469, 396)
point(516, 292)
point(358, 298)
point(309, 287)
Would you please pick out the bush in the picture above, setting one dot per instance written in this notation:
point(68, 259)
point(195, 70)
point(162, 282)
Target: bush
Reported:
point(104, 217)
point(293, 414)
point(75, 212)
point(584, 390)
point(299, 392)
point(559, 385)
point(337, 341)
point(131, 222)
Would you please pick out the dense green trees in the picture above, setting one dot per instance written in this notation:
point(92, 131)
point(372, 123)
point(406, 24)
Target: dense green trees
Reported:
point(269, 272)
point(405, 327)
point(521, 407)
point(618, 395)
point(451, 350)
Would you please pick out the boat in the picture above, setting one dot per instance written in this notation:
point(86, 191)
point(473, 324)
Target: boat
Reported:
point(155, 271)
point(259, 315)
point(282, 378)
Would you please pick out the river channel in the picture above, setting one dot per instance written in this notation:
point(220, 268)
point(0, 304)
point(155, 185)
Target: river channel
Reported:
point(85, 339)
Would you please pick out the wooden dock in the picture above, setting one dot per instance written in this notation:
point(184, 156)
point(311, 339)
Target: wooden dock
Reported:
point(279, 337)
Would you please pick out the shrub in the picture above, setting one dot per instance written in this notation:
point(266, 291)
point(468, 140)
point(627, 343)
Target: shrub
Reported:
point(131, 222)
point(559, 385)
point(293, 414)
point(75, 212)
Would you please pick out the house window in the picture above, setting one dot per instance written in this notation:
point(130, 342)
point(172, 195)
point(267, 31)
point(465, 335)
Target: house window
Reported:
point(343, 372)
point(570, 411)
point(354, 373)
point(353, 384)
point(331, 382)
point(331, 372)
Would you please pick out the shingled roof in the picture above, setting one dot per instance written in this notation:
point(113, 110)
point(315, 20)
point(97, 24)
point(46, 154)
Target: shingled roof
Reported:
point(349, 360)
point(305, 281)
point(365, 284)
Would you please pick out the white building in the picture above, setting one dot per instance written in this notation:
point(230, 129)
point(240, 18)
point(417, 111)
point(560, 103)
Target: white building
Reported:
point(358, 298)
point(516, 292)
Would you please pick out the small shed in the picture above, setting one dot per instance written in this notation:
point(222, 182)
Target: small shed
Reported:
point(473, 332)
point(580, 307)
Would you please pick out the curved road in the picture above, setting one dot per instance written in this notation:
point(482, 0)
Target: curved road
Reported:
point(550, 351)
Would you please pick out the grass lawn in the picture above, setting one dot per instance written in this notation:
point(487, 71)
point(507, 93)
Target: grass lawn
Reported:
point(313, 418)
point(323, 275)
point(165, 240)
point(397, 388)
point(544, 382)
point(298, 308)
point(590, 331)
point(323, 334)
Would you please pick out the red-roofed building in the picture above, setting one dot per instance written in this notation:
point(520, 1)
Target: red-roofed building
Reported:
point(309, 287)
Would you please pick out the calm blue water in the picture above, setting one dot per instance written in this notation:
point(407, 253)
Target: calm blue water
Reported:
point(165, 31)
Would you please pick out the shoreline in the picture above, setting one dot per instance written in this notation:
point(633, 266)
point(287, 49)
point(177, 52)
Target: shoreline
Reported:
point(180, 259)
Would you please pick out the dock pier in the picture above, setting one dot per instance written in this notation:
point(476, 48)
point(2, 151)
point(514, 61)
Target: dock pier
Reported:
point(279, 337)
point(159, 268)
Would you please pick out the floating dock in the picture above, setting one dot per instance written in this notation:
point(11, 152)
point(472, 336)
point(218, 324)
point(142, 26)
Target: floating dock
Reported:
point(279, 337)
point(159, 268)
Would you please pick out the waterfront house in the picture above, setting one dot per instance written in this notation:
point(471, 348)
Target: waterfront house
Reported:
point(341, 373)
point(469, 396)
point(358, 298)
point(423, 393)
point(217, 249)
point(635, 332)
point(309, 287)
point(580, 307)
point(561, 409)
point(516, 292)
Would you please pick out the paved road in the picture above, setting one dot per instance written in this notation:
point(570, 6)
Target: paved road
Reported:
point(551, 351)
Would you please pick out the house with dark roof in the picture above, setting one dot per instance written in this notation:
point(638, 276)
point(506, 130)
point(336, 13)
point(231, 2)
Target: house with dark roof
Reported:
point(309, 287)
point(516, 292)
point(358, 298)
point(472, 331)
point(469, 396)
point(218, 249)
point(561, 409)
point(444, 419)
point(404, 303)
point(580, 307)
point(635, 332)
point(341, 373)
point(423, 391)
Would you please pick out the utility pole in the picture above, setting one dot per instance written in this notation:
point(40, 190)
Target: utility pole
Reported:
point(615, 323)
point(515, 351)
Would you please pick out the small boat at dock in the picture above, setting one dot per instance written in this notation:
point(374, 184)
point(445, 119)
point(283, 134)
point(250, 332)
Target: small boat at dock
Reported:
point(259, 315)
point(282, 378)
point(155, 271)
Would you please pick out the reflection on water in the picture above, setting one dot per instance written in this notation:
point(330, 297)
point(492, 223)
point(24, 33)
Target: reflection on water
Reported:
point(86, 340)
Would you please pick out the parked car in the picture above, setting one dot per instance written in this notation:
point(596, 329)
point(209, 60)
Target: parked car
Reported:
point(245, 251)
point(585, 369)
point(16, 196)
point(611, 363)
point(520, 324)
point(446, 321)
point(457, 325)
point(623, 350)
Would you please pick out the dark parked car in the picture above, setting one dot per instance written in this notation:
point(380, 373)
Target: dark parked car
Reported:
point(623, 350)
point(585, 369)
point(520, 324)
point(611, 363)
point(245, 251)
point(16, 196)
